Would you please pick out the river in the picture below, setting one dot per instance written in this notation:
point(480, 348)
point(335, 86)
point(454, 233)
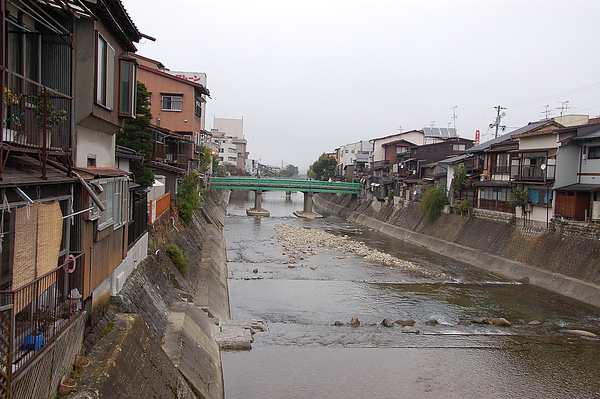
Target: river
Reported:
point(306, 355)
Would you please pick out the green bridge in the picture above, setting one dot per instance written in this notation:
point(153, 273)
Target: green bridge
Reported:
point(308, 187)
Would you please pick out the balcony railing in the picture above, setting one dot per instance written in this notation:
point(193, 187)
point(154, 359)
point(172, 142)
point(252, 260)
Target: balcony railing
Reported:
point(40, 311)
point(533, 172)
point(34, 117)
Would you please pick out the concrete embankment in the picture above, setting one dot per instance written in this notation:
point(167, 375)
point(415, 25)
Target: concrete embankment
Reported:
point(568, 264)
point(157, 338)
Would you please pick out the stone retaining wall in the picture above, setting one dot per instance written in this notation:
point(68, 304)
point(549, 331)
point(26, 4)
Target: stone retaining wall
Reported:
point(569, 265)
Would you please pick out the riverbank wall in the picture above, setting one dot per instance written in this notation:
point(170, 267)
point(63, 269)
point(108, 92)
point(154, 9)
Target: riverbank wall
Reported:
point(563, 259)
point(157, 337)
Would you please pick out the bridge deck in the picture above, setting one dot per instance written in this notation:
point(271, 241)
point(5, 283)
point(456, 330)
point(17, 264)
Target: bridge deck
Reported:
point(314, 186)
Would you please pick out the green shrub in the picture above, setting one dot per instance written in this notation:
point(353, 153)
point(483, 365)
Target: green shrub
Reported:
point(433, 202)
point(188, 197)
point(463, 207)
point(179, 259)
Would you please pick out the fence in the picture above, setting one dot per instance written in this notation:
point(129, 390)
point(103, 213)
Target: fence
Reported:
point(36, 313)
point(158, 206)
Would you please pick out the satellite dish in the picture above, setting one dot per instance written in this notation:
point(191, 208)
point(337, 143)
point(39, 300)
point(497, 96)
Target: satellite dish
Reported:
point(543, 166)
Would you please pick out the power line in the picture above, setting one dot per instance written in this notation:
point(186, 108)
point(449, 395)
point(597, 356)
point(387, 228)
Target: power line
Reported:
point(552, 96)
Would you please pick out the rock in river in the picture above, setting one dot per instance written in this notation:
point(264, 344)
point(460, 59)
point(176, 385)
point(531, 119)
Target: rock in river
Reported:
point(405, 322)
point(581, 333)
point(354, 321)
point(387, 322)
point(410, 330)
point(501, 321)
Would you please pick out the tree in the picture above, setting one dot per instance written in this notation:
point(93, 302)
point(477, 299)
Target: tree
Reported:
point(206, 159)
point(519, 198)
point(289, 171)
point(460, 181)
point(324, 168)
point(433, 202)
point(137, 136)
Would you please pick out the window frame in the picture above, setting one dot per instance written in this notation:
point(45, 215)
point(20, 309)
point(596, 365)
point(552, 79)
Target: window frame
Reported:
point(105, 73)
point(171, 97)
point(594, 152)
point(127, 88)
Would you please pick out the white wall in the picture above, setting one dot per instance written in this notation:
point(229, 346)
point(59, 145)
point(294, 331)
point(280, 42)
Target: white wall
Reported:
point(231, 127)
point(96, 144)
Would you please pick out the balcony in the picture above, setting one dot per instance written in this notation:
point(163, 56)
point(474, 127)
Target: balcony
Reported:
point(34, 314)
point(35, 118)
point(533, 173)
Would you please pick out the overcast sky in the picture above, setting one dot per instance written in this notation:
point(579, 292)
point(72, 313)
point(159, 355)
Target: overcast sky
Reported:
point(309, 76)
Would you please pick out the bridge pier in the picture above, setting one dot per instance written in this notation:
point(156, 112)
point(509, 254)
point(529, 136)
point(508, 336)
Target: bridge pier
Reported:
point(307, 212)
point(258, 209)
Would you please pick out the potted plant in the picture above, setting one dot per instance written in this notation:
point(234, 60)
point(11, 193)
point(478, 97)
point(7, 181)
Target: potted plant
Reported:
point(44, 111)
point(66, 385)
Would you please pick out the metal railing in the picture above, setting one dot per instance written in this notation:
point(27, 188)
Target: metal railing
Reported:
point(34, 116)
point(247, 183)
point(40, 311)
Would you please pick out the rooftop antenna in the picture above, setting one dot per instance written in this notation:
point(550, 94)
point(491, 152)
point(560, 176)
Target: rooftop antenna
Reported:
point(564, 107)
point(454, 117)
point(499, 117)
point(546, 111)
point(400, 128)
point(432, 124)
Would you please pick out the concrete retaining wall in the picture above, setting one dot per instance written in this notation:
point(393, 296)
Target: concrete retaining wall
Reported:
point(152, 291)
point(568, 265)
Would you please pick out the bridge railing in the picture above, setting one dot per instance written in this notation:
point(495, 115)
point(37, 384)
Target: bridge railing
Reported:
point(284, 185)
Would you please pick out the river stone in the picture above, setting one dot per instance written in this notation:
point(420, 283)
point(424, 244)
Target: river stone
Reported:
point(313, 267)
point(581, 333)
point(410, 330)
point(432, 322)
point(464, 323)
point(255, 271)
point(387, 322)
point(338, 323)
point(354, 321)
point(291, 265)
point(534, 323)
point(480, 320)
point(405, 322)
point(502, 322)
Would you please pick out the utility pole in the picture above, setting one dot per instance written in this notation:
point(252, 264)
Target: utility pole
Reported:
point(498, 120)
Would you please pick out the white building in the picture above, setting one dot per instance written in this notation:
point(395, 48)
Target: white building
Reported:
point(230, 127)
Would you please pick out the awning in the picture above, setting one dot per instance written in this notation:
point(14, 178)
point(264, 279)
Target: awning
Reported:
point(579, 187)
point(492, 183)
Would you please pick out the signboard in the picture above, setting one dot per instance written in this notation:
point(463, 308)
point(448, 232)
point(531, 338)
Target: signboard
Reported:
point(195, 77)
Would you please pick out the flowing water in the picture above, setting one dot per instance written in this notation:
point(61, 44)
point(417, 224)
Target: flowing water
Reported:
point(305, 355)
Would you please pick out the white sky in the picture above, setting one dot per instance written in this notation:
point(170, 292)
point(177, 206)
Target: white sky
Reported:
point(309, 76)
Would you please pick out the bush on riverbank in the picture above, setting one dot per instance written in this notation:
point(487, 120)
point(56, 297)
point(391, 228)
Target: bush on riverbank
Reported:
point(179, 259)
point(433, 202)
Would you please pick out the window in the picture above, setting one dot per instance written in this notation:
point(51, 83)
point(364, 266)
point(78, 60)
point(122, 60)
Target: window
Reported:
point(172, 103)
point(198, 108)
point(114, 197)
point(594, 152)
point(458, 147)
point(105, 73)
point(128, 88)
point(232, 159)
point(495, 194)
point(539, 197)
